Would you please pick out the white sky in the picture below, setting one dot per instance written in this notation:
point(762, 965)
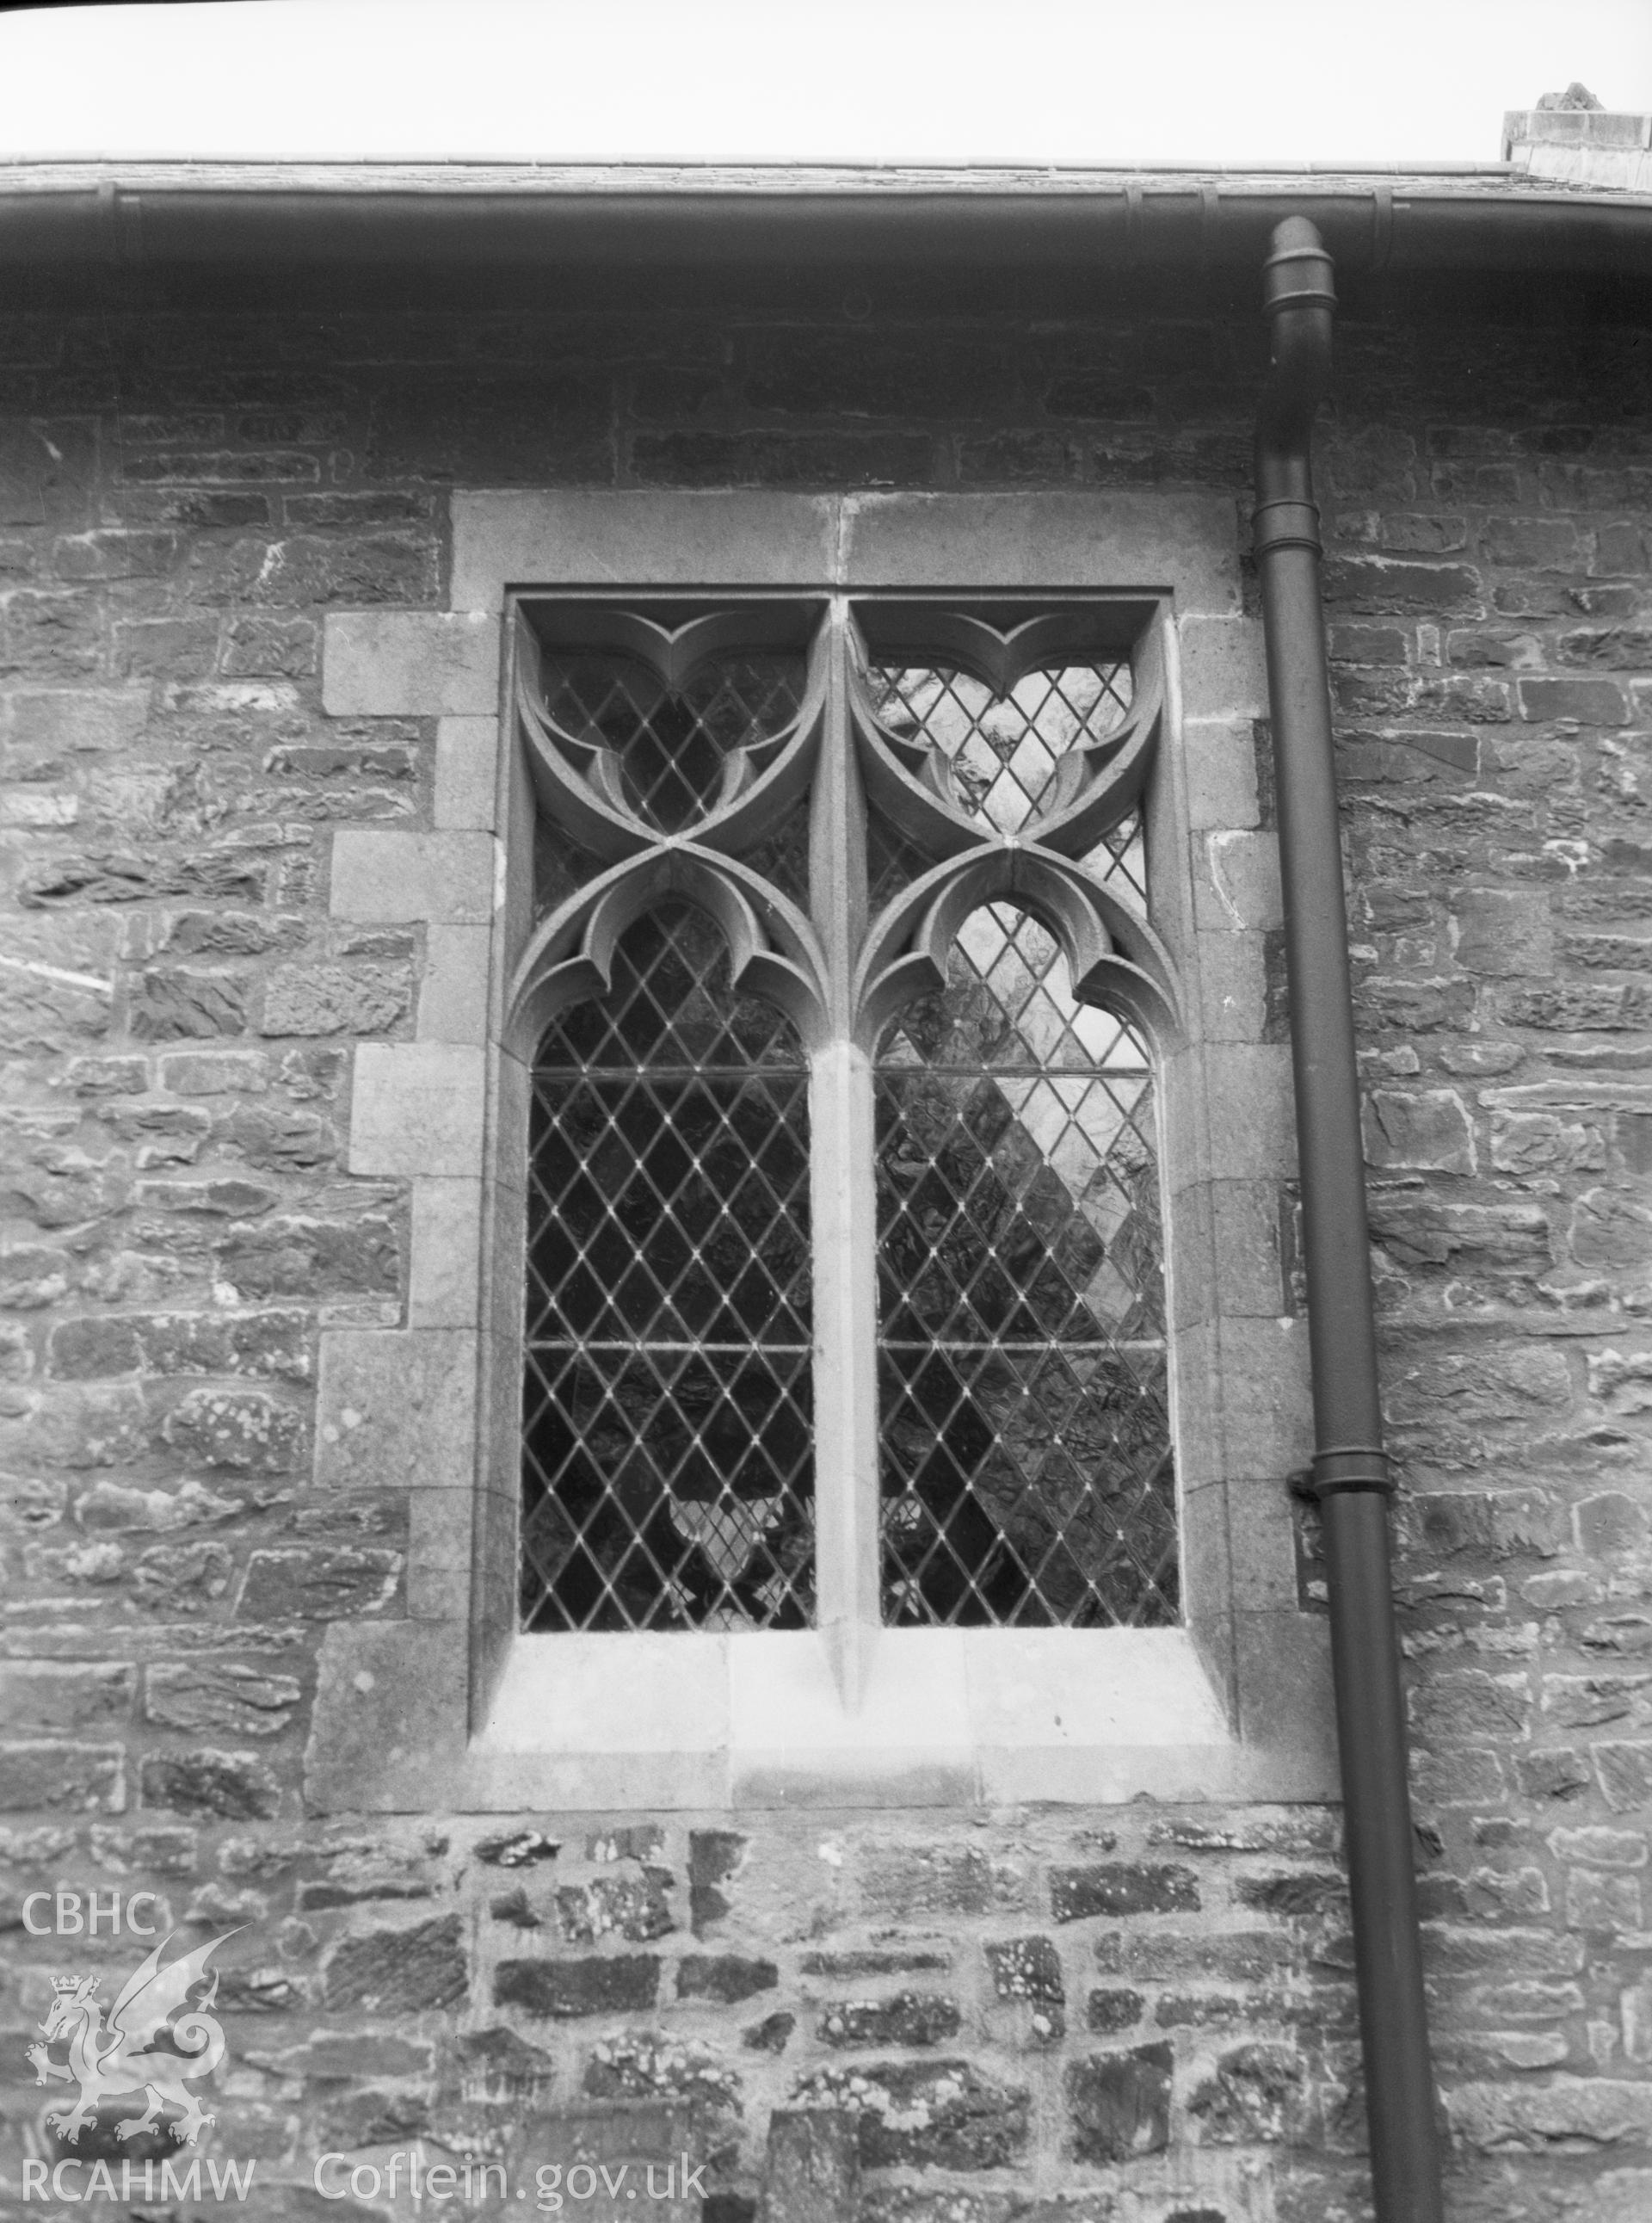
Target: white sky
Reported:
point(879, 80)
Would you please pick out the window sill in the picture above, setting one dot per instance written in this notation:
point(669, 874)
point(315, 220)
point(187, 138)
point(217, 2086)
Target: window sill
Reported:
point(949, 1717)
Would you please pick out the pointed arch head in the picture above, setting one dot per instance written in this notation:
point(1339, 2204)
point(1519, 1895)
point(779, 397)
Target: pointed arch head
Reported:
point(1115, 960)
point(773, 952)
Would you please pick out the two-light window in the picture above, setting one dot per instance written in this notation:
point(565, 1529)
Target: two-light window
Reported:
point(844, 1259)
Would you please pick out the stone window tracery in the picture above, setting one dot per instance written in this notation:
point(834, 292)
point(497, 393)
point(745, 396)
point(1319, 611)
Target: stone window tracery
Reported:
point(845, 1260)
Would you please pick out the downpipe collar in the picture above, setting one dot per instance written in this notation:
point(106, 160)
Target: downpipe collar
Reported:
point(1299, 273)
point(1284, 524)
point(1343, 1467)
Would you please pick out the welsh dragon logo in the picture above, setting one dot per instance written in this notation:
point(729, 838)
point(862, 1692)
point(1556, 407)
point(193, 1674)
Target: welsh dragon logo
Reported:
point(110, 2063)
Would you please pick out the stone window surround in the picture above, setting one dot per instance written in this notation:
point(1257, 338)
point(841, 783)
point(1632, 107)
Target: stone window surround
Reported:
point(452, 1706)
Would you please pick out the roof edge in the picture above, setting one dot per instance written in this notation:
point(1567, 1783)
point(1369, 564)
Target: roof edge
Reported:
point(70, 220)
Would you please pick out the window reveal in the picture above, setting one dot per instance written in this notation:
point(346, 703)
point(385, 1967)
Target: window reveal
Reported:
point(775, 837)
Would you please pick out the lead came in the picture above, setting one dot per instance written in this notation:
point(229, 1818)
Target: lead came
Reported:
point(701, 773)
point(1027, 1476)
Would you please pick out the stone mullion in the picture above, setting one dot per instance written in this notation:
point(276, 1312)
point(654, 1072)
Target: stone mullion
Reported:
point(843, 1204)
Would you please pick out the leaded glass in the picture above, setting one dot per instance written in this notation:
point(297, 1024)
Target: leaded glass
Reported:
point(672, 742)
point(1120, 860)
point(1028, 1475)
point(668, 1457)
point(671, 1360)
point(892, 862)
point(1004, 748)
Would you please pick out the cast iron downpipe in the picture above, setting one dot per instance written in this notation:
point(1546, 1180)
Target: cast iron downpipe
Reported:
point(1350, 1474)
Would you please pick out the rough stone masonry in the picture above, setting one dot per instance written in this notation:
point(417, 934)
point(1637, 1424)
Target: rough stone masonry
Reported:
point(1133, 2015)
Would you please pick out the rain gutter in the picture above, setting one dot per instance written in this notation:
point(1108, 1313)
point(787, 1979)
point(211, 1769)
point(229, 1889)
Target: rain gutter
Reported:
point(63, 219)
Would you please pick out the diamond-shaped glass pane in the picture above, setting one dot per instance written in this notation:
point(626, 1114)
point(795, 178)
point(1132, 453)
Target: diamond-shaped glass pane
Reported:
point(782, 857)
point(1028, 1472)
point(892, 862)
point(1006, 750)
point(1119, 859)
point(672, 742)
point(668, 1460)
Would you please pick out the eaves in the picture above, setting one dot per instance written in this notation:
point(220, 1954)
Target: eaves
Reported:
point(65, 220)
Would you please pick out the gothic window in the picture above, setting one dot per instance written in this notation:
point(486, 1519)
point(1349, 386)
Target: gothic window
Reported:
point(844, 1252)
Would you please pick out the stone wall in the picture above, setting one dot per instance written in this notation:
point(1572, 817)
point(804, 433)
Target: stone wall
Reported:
point(1145, 2013)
